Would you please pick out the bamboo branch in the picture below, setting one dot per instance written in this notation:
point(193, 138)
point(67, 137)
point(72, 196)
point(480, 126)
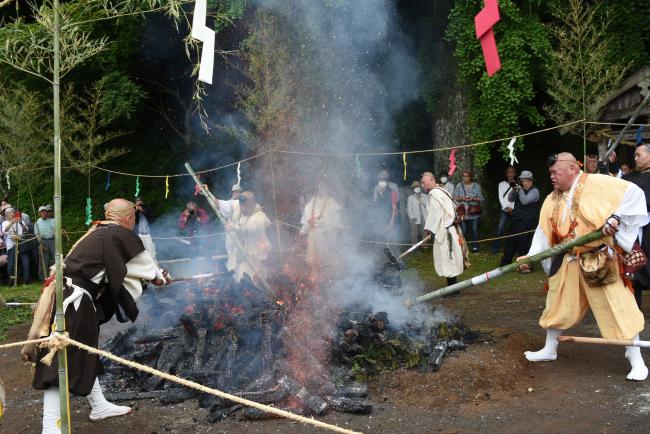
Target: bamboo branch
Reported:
point(604, 341)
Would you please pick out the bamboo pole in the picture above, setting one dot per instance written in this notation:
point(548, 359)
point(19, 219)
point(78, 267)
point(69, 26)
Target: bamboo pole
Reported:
point(629, 122)
point(58, 242)
point(215, 207)
point(603, 341)
point(498, 272)
point(16, 247)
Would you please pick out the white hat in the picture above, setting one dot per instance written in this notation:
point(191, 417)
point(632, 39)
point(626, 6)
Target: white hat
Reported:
point(42, 208)
point(49, 207)
point(526, 174)
point(236, 187)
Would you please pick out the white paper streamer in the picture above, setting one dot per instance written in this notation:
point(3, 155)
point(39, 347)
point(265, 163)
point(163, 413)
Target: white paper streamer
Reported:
point(511, 148)
point(239, 173)
point(206, 35)
point(8, 180)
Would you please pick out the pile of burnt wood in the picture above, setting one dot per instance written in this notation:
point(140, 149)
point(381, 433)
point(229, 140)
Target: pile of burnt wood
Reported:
point(233, 337)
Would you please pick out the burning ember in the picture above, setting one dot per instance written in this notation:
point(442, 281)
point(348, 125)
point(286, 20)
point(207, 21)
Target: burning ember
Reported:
point(295, 351)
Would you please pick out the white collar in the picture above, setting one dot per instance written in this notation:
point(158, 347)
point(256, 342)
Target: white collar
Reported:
point(569, 198)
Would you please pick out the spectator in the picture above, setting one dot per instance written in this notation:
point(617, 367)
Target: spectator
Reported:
point(44, 231)
point(50, 210)
point(446, 184)
point(193, 220)
point(143, 218)
point(625, 168)
point(416, 210)
point(504, 189)
point(525, 215)
point(13, 229)
point(386, 198)
point(4, 272)
point(469, 194)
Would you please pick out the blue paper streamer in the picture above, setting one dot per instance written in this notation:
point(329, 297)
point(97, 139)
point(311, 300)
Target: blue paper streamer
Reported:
point(639, 135)
point(108, 181)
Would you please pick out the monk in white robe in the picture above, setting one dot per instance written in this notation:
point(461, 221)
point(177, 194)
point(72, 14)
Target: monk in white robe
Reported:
point(250, 230)
point(231, 212)
point(580, 204)
point(448, 258)
point(321, 222)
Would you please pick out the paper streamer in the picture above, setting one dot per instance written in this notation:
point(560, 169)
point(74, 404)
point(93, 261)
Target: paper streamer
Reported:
point(89, 211)
point(511, 150)
point(484, 24)
point(8, 180)
point(404, 161)
point(452, 162)
point(166, 186)
point(357, 166)
point(137, 186)
point(206, 35)
point(108, 181)
point(639, 135)
point(239, 173)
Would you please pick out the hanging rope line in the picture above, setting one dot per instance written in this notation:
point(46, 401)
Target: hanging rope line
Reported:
point(332, 154)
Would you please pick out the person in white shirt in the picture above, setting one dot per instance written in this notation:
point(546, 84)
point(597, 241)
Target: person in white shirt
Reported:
point(447, 184)
point(504, 190)
point(12, 229)
point(416, 210)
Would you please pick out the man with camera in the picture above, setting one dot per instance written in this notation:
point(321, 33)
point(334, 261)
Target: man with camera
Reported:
point(192, 220)
point(525, 213)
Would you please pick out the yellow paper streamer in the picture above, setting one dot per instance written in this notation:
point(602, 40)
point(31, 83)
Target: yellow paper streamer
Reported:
point(166, 187)
point(404, 160)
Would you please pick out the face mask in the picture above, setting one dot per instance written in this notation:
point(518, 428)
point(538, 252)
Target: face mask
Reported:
point(417, 190)
point(382, 184)
point(443, 179)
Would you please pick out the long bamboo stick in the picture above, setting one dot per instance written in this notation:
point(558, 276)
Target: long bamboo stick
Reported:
point(498, 272)
point(64, 394)
point(603, 341)
point(628, 124)
point(215, 207)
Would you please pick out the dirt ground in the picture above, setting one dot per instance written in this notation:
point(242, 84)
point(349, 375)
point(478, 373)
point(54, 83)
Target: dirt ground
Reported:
point(489, 387)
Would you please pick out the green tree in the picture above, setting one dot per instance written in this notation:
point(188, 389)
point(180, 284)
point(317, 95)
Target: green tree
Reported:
point(582, 70)
point(501, 104)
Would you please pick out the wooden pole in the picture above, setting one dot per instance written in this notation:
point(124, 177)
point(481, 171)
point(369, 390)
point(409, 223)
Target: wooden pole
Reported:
point(603, 341)
point(498, 272)
point(58, 242)
point(629, 123)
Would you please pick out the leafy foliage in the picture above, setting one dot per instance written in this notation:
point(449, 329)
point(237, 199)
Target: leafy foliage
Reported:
point(86, 122)
point(581, 71)
point(498, 105)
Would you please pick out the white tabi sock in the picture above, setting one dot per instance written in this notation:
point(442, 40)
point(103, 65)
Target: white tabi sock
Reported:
point(51, 411)
point(639, 371)
point(101, 408)
point(549, 352)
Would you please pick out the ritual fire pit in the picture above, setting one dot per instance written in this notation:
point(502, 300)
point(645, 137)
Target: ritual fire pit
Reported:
point(284, 348)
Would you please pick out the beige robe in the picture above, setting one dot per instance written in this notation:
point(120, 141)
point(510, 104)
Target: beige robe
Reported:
point(323, 233)
point(569, 295)
point(251, 232)
point(447, 250)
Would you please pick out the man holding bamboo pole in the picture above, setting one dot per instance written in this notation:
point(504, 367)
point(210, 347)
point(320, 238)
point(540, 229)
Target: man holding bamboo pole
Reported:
point(589, 276)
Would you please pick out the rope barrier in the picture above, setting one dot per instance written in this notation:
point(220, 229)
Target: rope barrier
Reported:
point(409, 245)
point(58, 341)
